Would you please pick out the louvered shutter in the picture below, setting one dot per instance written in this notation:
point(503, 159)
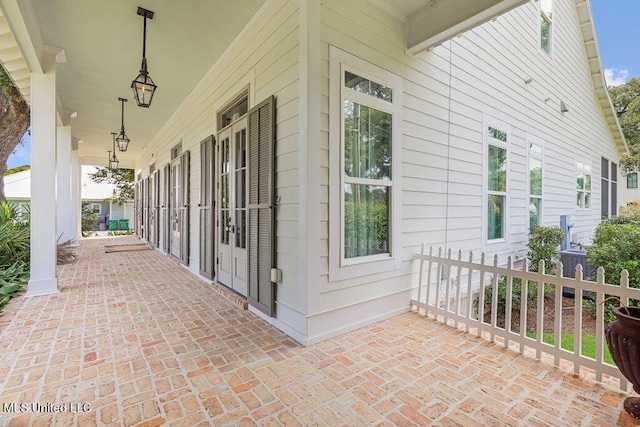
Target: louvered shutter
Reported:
point(184, 208)
point(145, 208)
point(166, 212)
point(206, 184)
point(155, 208)
point(261, 135)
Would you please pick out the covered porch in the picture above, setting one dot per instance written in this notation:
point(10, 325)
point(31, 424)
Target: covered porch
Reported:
point(132, 339)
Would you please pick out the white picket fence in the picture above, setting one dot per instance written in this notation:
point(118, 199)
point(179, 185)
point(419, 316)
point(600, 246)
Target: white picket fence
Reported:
point(449, 291)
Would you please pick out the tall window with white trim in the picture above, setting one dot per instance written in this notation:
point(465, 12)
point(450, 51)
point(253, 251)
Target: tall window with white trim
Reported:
point(365, 131)
point(583, 185)
point(546, 24)
point(535, 184)
point(367, 157)
point(496, 183)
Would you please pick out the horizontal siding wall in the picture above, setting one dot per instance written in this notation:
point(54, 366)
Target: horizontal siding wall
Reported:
point(266, 57)
point(447, 93)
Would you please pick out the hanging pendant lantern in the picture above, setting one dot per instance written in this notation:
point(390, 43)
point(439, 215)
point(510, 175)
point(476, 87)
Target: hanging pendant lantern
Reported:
point(122, 139)
point(113, 160)
point(143, 87)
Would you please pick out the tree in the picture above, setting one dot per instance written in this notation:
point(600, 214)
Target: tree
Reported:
point(123, 180)
point(626, 102)
point(15, 118)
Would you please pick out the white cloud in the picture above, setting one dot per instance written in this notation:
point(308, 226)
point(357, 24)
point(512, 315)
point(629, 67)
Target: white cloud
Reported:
point(616, 76)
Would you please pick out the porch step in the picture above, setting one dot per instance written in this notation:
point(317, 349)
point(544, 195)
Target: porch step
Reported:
point(230, 296)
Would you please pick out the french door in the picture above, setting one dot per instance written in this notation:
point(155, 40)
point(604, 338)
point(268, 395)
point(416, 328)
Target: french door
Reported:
point(232, 206)
point(153, 209)
point(179, 206)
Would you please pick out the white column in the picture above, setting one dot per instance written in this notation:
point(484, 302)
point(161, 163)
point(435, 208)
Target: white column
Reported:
point(43, 180)
point(75, 192)
point(63, 184)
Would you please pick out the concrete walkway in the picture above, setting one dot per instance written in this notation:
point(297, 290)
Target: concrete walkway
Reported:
point(134, 339)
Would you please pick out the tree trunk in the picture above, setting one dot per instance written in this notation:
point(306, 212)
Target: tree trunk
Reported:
point(14, 121)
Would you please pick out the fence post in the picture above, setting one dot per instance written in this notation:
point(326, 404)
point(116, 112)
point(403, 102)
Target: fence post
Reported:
point(420, 274)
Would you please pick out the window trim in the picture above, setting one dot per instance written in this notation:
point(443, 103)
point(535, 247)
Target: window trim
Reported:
point(635, 175)
point(532, 140)
point(486, 142)
point(341, 268)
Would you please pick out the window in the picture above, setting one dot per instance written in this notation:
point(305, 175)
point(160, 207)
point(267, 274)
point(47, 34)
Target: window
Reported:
point(176, 151)
point(535, 184)
point(365, 125)
point(235, 109)
point(367, 160)
point(496, 182)
point(95, 208)
point(632, 180)
point(583, 186)
point(608, 188)
point(546, 22)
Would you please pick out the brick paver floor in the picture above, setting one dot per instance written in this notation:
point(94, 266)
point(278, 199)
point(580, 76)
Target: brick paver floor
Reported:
point(134, 339)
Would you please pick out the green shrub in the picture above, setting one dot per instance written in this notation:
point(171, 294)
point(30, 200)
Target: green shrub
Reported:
point(616, 247)
point(543, 244)
point(14, 253)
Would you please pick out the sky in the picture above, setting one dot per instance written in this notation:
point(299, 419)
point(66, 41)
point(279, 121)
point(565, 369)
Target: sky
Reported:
point(617, 28)
point(618, 33)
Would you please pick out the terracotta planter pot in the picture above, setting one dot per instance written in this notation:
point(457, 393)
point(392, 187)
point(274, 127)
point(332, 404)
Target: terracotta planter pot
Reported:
point(623, 340)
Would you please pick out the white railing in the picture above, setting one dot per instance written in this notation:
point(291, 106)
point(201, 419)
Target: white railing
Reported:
point(450, 291)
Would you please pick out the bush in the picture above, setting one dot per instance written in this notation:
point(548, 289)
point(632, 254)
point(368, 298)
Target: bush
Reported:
point(14, 253)
point(616, 248)
point(543, 244)
point(631, 210)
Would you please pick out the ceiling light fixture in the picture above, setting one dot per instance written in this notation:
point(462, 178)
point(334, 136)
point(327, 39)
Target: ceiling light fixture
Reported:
point(113, 160)
point(143, 87)
point(122, 140)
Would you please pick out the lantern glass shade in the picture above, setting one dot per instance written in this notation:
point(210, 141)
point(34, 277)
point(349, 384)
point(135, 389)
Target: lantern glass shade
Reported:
point(122, 141)
point(143, 89)
point(113, 161)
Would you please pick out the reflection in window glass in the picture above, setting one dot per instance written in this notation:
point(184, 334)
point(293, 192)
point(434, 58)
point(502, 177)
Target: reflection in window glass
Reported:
point(495, 217)
point(583, 186)
point(546, 23)
point(361, 84)
point(535, 177)
point(497, 134)
point(367, 139)
point(497, 187)
point(366, 220)
point(497, 168)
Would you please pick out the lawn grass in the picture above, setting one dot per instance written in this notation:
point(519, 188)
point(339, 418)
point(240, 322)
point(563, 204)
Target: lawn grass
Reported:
point(588, 344)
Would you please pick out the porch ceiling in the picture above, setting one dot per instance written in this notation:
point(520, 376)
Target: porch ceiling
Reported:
point(431, 22)
point(102, 43)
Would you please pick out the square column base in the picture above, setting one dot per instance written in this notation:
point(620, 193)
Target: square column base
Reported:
point(42, 287)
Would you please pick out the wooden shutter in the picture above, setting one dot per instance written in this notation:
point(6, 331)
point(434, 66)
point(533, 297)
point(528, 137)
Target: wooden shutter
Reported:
point(261, 136)
point(154, 208)
point(166, 212)
point(184, 208)
point(206, 229)
point(145, 208)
